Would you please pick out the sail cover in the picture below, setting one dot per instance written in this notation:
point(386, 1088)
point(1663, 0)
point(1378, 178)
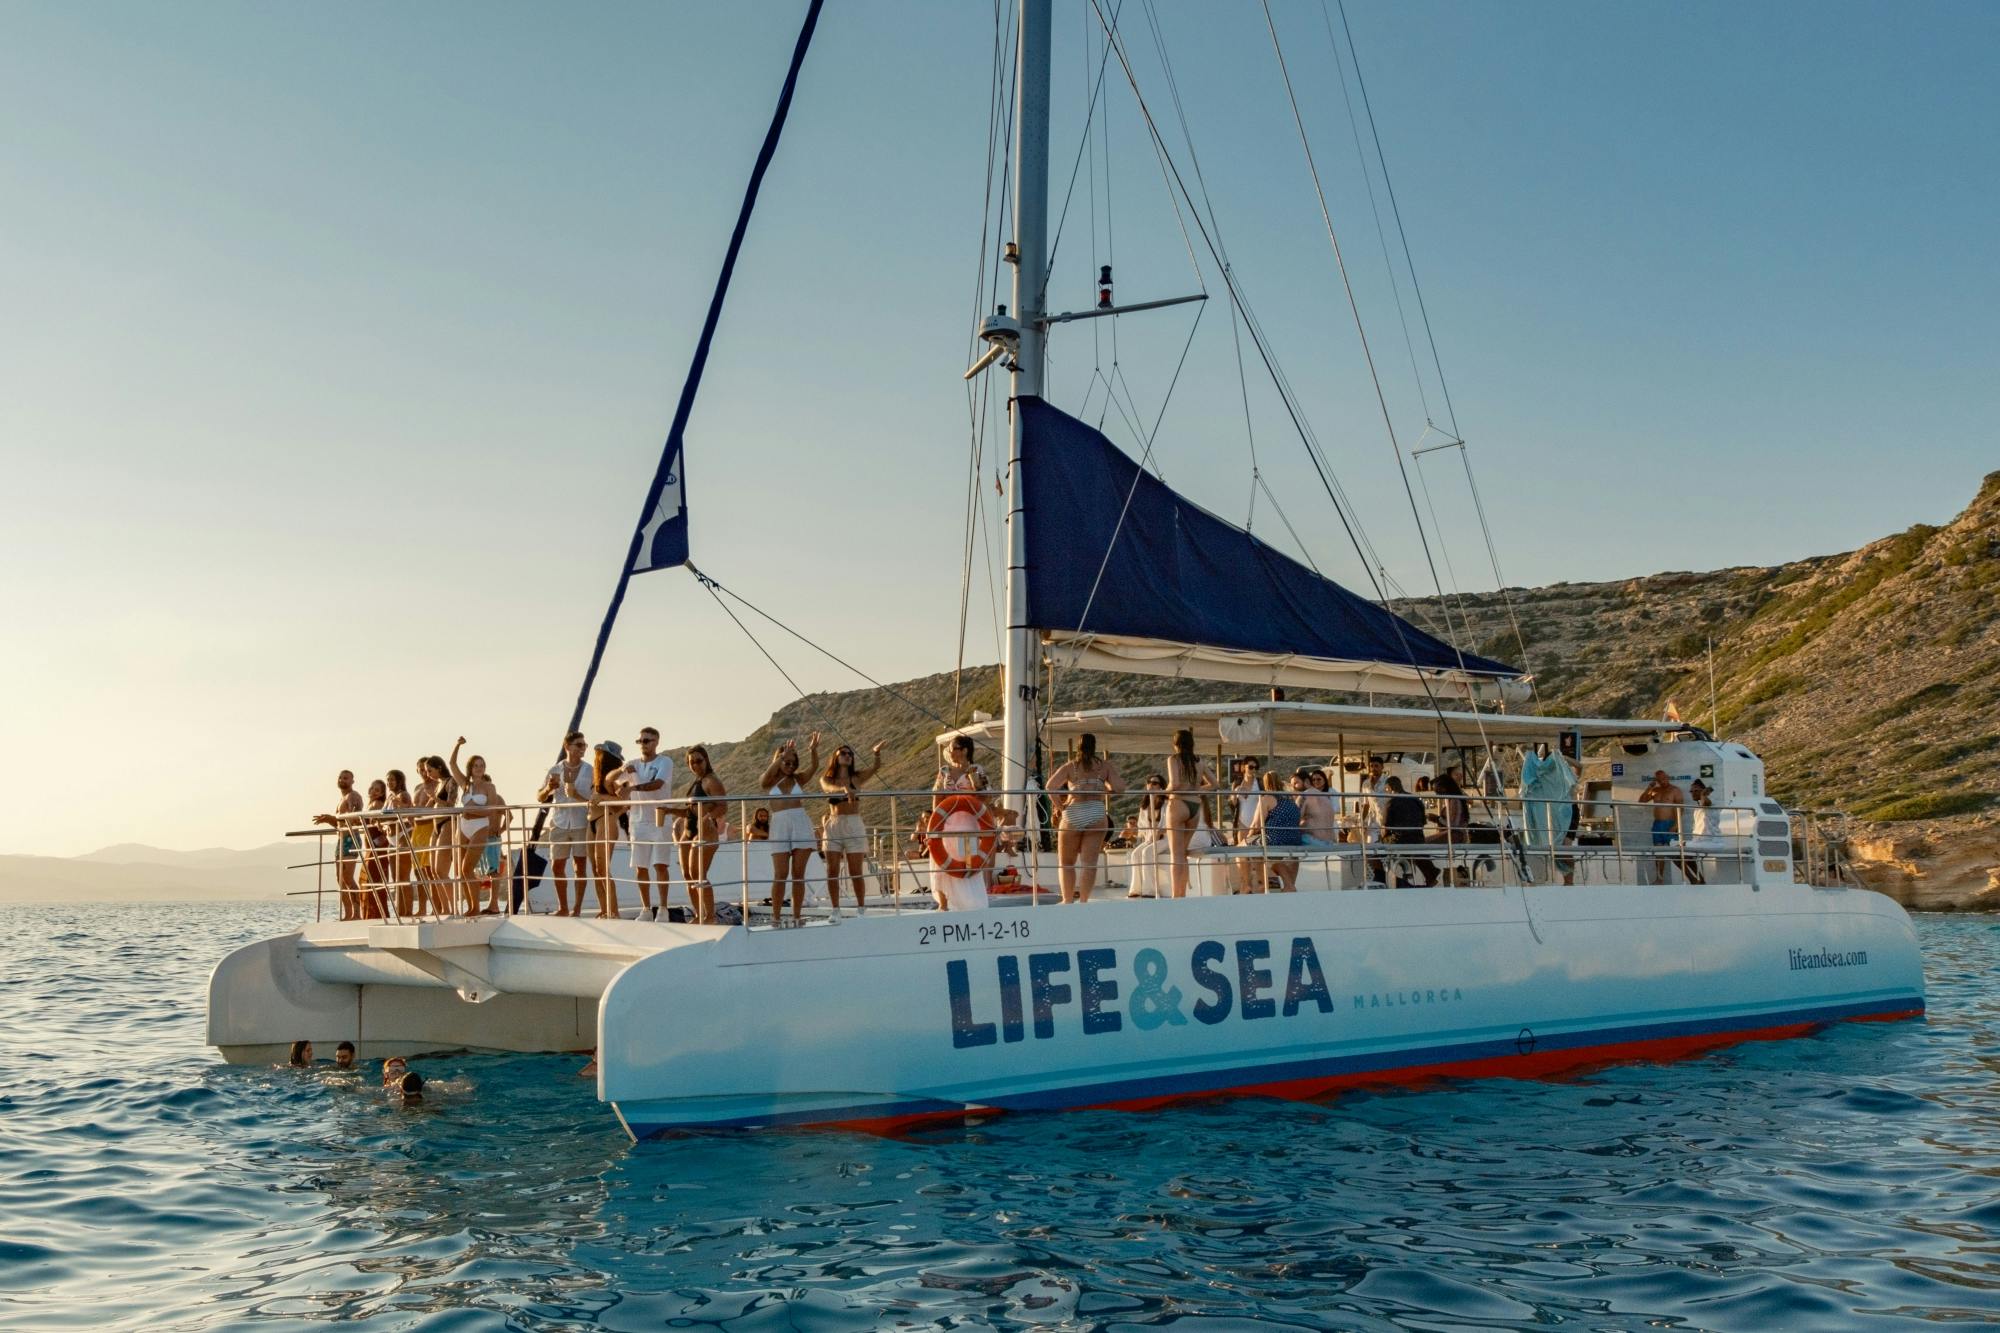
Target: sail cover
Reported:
point(1179, 591)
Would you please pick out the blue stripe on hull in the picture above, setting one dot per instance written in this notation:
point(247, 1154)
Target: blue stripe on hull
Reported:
point(1198, 1082)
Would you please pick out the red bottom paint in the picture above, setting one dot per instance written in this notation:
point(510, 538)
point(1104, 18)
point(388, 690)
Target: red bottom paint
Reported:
point(1533, 1064)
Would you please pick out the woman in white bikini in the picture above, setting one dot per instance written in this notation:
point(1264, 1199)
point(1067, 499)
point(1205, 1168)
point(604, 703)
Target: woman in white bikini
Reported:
point(1187, 779)
point(792, 840)
point(844, 838)
point(698, 826)
point(1083, 789)
point(478, 850)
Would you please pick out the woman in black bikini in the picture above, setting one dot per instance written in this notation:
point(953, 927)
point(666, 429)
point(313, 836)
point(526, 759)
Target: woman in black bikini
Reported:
point(699, 825)
point(1187, 779)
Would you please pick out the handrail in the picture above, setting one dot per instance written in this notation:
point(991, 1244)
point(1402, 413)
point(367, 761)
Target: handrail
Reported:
point(400, 877)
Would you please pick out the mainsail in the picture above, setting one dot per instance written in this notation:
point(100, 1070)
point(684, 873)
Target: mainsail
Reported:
point(1128, 575)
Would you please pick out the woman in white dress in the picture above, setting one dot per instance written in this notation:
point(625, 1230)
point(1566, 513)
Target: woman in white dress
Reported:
point(959, 777)
point(1149, 845)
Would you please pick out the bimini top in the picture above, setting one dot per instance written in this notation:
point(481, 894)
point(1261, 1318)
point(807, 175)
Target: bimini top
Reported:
point(1302, 729)
point(1128, 575)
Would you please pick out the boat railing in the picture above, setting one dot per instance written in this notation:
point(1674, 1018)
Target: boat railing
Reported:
point(407, 863)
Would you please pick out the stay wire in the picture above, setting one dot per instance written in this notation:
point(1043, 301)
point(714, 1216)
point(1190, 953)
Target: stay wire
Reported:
point(1396, 211)
point(810, 700)
point(1375, 212)
point(718, 591)
point(1375, 379)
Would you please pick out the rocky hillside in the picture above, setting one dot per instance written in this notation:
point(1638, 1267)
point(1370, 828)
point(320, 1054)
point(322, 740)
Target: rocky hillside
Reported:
point(1867, 680)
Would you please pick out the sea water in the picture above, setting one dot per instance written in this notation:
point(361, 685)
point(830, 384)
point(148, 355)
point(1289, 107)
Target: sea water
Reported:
point(1845, 1179)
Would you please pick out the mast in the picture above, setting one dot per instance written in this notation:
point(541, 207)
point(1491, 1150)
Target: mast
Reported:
point(1021, 690)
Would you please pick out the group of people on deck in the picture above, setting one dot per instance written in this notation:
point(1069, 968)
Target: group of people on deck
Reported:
point(437, 848)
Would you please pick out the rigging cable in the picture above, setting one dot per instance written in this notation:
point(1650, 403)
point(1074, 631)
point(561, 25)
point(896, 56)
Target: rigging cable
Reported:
point(718, 591)
point(1264, 352)
point(811, 700)
point(1354, 306)
point(1430, 337)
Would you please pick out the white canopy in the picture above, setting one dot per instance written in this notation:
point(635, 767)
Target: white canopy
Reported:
point(1303, 729)
point(1157, 657)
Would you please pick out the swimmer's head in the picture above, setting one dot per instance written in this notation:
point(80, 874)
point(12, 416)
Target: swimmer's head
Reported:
point(343, 1055)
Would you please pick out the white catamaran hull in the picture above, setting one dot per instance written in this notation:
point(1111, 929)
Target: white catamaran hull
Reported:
point(892, 1019)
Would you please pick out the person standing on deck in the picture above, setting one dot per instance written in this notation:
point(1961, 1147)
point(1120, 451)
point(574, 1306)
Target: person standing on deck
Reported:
point(1548, 784)
point(568, 786)
point(702, 821)
point(792, 838)
point(1666, 800)
point(1707, 834)
point(959, 777)
point(1188, 782)
point(349, 847)
point(845, 836)
point(432, 838)
point(607, 770)
point(402, 868)
point(478, 833)
point(649, 786)
point(1083, 787)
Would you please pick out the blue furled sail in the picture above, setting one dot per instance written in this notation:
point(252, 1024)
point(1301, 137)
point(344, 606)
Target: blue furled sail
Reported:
point(1128, 575)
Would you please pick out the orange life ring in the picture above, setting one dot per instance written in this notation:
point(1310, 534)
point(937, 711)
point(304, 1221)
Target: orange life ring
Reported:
point(960, 866)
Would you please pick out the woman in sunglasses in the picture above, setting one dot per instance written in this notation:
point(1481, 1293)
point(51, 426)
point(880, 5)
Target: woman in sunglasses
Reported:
point(844, 838)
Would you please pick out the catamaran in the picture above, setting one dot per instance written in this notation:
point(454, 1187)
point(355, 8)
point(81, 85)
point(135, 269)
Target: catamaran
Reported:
point(1548, 932)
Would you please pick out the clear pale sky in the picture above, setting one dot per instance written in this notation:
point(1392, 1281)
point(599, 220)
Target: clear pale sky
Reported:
point(337, 342)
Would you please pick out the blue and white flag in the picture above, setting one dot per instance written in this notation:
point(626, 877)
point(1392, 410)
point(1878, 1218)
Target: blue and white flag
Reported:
point(663, 533)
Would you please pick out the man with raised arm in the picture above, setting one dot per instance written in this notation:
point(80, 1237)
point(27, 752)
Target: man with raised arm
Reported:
point(649, 785)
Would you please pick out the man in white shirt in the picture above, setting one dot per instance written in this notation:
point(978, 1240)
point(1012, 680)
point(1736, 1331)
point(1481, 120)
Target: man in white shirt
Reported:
point(651, 783)
point(569, 823)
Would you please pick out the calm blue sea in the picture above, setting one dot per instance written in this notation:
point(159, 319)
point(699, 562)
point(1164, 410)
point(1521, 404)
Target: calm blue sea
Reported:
point(1848, 1179)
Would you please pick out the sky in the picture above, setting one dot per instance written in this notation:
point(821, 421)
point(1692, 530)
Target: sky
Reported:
point(339, 342)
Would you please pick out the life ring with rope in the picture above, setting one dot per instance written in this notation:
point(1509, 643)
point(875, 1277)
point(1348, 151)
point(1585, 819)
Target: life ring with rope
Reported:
point(984, 839)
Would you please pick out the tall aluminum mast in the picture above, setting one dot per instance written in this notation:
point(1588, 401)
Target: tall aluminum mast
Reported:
point(1031, 229)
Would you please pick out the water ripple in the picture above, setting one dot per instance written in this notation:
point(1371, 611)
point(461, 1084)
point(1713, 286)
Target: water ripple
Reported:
point(1850, 1178)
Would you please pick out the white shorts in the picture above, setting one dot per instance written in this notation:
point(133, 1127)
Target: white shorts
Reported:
point(791, 831)
point(846, 835)
point(650, 843)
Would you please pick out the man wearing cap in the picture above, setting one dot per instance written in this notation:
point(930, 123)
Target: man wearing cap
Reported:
point(650, 782)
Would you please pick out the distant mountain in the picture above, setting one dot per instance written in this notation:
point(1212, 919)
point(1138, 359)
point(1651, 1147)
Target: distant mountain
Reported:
point(132, 872)
point(277, 854)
